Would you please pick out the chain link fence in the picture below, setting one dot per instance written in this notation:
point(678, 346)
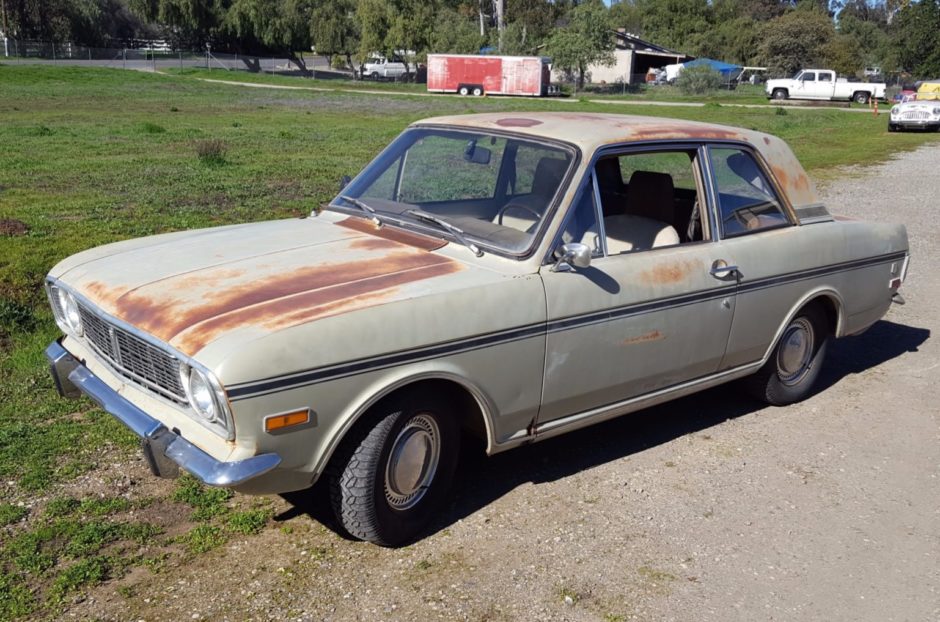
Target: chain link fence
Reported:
point(152, 58)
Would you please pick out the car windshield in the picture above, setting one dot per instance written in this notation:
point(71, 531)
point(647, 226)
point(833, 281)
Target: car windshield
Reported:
point(496, 190)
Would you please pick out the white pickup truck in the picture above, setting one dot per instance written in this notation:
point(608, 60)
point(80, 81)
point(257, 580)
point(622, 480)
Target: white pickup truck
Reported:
point(823, 84)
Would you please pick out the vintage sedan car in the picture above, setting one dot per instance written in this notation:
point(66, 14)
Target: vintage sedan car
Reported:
point(506, 276)
point(915, 114)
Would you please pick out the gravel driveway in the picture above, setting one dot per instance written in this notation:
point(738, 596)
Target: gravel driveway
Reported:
point(708, 508)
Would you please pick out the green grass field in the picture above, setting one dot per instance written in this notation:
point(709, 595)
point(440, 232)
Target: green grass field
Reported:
point(89, 156)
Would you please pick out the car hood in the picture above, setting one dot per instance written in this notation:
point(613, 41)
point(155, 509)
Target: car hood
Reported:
point(190, 288)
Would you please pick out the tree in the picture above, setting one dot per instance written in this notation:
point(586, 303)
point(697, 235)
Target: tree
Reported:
point(676, 24)
point(333, 29)
point(586, 40)
point(916, 32)
point(794, 40)
point(374, 18)
point(455, 33)
point(191, 23)
point(281, 25)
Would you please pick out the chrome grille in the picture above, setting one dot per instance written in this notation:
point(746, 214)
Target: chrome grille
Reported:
point(915, 115)
point(133, 357)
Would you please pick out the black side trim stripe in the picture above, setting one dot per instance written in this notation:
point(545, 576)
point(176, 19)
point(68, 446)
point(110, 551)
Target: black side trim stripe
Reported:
point(333, 372)
point(359, 366)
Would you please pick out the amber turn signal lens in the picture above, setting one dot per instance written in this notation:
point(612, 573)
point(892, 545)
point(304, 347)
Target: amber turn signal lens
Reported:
point(279, 422)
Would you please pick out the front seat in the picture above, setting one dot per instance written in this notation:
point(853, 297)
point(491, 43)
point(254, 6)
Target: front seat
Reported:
point(652, 195)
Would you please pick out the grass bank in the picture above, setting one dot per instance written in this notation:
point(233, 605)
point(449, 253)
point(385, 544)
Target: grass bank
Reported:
point(92, 156)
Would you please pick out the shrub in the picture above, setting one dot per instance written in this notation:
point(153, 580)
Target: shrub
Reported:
point(698, 80)
point(211, 151)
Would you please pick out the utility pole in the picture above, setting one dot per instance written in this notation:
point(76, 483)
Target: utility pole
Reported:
point(500, 23)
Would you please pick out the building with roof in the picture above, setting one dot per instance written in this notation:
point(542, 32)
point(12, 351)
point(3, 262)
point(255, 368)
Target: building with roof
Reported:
point(634, 57)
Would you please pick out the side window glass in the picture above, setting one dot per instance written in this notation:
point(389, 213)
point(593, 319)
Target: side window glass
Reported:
point(649, 200)
point(746, 200)
point(809, 76)
point(825, 77)
point(581, 221)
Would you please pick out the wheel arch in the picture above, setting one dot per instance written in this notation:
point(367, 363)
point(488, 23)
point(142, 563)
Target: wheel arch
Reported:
point(475, 413)
point(832, 305)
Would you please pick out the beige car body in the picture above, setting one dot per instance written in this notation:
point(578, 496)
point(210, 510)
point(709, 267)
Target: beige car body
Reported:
point(329, 313)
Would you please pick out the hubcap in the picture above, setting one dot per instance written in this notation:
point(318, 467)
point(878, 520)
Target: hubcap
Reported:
point(412, 462)
point(796, 352)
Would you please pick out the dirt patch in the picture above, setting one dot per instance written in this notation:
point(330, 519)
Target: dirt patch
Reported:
point(12, 228)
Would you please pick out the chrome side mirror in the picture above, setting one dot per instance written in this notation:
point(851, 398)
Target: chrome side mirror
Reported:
point(572, 255)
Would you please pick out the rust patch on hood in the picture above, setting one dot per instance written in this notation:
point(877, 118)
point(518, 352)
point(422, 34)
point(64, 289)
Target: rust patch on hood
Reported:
point(203, 305)
point(424, 242)
point(668, 273)
point(309, 306)
point(516, 122)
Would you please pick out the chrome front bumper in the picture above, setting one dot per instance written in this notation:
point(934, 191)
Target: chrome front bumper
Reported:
point(164, 449)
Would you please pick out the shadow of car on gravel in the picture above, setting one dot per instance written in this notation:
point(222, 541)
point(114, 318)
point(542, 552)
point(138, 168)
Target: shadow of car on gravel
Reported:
point(480, 480)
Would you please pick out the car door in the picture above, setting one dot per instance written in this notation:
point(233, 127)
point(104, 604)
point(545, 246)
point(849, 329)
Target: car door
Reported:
point(825, 85)
point(638, 321)
point(806, 85)
point(770, 253)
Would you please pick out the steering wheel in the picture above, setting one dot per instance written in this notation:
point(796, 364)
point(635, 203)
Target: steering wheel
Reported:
point(509, 206)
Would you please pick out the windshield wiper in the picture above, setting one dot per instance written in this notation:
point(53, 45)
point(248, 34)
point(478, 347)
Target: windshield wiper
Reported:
point(370, 213)
point(443, 224)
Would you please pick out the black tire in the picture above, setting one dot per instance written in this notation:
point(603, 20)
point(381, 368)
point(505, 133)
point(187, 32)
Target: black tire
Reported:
point(892, 127)
point(477, 91)
point(463, 90)
point(861, 97)
point(791, 371)
point(780, 94)
point(389, 506)
point(374, 75)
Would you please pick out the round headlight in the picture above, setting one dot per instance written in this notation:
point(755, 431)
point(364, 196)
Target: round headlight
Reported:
point(894, 111)
point(199, 392)
point(69, 306)
point(936, 111)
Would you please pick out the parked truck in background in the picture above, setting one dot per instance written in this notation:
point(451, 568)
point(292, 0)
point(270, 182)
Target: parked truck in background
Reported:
point(494, 75)
point(824, 84)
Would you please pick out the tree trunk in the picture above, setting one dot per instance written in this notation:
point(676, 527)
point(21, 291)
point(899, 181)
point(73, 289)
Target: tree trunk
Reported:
point(581, 70)
point(299, 61)
point(349, 63)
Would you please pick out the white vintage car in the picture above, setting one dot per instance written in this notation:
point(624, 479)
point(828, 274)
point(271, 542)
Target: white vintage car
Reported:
point(915, 114)
point(509, 276)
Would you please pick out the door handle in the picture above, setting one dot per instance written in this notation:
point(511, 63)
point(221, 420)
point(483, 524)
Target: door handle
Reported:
point(721, 270)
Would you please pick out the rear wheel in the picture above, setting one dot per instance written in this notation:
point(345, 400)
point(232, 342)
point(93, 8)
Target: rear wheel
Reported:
point(477, 91)
point(780, 94)
point(389, 476)
point(791, 371)
point(861, 97)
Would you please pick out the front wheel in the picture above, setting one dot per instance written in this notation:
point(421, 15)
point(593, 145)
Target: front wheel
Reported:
point(463, 91)
point(791, 371)
point(387, 480)
point(892, 127)
point(779, 94)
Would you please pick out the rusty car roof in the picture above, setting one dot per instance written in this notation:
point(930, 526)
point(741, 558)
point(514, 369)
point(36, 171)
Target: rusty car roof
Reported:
point(592, 130)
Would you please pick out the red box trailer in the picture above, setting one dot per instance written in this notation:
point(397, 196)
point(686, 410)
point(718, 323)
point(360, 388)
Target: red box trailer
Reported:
point(495, 75)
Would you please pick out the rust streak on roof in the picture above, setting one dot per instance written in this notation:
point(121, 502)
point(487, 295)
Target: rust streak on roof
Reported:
point(424, 242)
point(313, 305)
point(517, 122)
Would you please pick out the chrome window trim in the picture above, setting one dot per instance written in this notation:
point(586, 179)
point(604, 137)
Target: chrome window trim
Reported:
point(221, 396)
